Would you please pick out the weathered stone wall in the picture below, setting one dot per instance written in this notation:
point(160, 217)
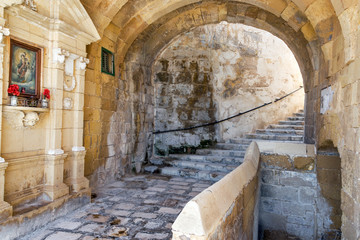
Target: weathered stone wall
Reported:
point(102, 123)
point(216, 71)
point(300, 192)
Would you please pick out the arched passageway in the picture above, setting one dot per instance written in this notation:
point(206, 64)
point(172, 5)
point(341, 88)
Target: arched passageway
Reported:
point(316, 32)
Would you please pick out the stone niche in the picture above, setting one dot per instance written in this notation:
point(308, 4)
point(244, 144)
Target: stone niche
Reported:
point(42, 153)
point(216, 71)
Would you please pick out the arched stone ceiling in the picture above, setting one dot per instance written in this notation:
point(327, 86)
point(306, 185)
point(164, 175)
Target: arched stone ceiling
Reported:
point(157, 35)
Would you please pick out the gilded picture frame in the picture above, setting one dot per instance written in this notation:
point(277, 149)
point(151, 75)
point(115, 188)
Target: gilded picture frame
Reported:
point(25, 68)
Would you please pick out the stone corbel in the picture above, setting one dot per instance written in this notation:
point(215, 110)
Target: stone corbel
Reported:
point(59, 55)
point(81, 63)
point(3, 32)
point(23, 117)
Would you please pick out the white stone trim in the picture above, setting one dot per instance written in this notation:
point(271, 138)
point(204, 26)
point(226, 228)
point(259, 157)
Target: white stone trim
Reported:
point(3, 32)
point(59, 55)
point(82, 62)
point(2, 160)
point(55, 152)
point(78, 149)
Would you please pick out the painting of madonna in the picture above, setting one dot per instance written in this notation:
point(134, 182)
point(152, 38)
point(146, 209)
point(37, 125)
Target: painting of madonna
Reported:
point(24, 70)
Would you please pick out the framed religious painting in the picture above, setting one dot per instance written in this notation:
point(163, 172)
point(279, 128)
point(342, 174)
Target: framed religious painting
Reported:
point(25, 68)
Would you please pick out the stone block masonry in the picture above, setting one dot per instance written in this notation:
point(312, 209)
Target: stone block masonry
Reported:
point(300, 195)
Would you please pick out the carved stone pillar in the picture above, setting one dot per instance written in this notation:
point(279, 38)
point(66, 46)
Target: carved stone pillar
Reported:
point(5, 208)
point(74, 176)
point(54, 168)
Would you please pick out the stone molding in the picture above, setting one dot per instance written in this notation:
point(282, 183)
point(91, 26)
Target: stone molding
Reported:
point(83, 26)
point(55, 152)
point(78, 149)
point(3, 32)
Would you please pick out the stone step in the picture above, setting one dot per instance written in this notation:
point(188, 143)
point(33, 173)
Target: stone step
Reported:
point(240, 141)
point(275, 137)
point(294, 127)
point(280, 131)
point(295, 118)
point(193, 173)
point(291, 123)
point(299, 114)
point(208, 166)
point(204, 158)
point(232, 146)
point(220, 152)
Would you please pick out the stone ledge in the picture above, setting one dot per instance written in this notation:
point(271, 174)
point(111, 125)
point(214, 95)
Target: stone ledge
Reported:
point(199, 221)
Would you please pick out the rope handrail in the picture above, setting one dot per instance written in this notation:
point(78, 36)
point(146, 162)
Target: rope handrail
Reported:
point(228, 118)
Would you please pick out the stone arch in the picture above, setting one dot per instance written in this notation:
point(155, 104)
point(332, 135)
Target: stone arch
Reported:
point(304, 44)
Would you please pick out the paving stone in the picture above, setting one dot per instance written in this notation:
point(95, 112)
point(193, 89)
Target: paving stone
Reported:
point(198, 189)
point(121, 213)
point(151, 236)
point(97, 218)
point(63, 236)
point(156, 189)
point(169, 210)
point(193, 194)
point(153, 225)
point(93, 227)
point(180, 187)
point(151, 201)
point(144, 215)
point(68, 225)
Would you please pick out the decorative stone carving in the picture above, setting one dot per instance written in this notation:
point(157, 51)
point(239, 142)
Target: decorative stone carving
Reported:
point(30, 4)
point(3, 32)
point(70, 81)
point(68, 103)
point(81, 63)
point(55, 152)
point(22, 117)
point(59, 55)
point(30, 119)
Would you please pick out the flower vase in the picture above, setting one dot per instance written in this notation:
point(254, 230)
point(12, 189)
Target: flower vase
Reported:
point(13, 100)
point(44, 103)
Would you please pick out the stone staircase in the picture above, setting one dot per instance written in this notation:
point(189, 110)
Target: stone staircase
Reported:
point(215, 162)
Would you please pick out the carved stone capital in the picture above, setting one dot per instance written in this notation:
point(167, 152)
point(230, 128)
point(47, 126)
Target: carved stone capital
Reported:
point(3, 32)
point(30, 4)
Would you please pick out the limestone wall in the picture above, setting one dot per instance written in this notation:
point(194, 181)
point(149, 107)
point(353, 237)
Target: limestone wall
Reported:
point(300, 192)
point(102, 123)
point(41, 149)
point(216, 71)
point(234, 206)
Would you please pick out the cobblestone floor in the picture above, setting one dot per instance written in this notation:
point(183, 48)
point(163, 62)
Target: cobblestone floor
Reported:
point(137, 207)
